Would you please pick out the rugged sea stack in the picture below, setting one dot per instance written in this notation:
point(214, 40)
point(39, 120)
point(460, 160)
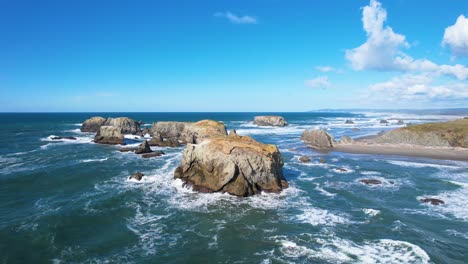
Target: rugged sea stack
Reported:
point(234, 164)
point(270, 121)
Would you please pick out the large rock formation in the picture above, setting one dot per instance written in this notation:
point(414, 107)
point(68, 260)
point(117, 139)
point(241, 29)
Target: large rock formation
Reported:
point(270, 121)
point(318, 139)
point(93, 124)
point(109, 135)
point(170, 133)
point(237, 165)
point(126, 125)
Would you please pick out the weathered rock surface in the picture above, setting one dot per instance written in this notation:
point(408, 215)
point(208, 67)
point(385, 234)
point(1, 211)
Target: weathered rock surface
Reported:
point(127, 149)
point(233, 133)
point(432, 201)
point(126, 125)
point(318, 139)
point(346, 140)
point(237, 165)
point(186, 132)
point(270, 121)
point(109, 135)
point(93, 124)
point(158, 141)
point(304, 159)
point(136, 176)
point(152, 154)
point(143, 148)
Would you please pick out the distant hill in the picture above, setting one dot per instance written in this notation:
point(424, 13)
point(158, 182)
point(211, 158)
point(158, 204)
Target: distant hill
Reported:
point(443, 111)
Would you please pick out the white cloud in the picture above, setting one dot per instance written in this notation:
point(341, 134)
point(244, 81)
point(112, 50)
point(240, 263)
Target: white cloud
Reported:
point(319, 82)
point(237, 19)
point(410, 88)
point(456, 37)
point(325, 68)
point(382, 45)
point(382, 49)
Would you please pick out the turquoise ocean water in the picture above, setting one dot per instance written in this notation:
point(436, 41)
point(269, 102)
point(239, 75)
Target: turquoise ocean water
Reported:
point(71, 201)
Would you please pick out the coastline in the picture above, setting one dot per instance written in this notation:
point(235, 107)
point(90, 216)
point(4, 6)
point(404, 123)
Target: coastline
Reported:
point(444, 153)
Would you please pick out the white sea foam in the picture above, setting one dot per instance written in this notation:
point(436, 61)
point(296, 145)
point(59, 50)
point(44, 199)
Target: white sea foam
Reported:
point(324, 192)
point(343, 170)
point(339, 250)
point(456, 233)
point(370, 212)
point(317, 216)
point(93, 160)
point(421, 165)
point(251, 129)
point(77, 140)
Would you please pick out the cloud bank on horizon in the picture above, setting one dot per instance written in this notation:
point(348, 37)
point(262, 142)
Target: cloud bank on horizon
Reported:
point(384, 50)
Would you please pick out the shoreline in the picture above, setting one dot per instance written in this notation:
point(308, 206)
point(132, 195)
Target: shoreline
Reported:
point(441, 153)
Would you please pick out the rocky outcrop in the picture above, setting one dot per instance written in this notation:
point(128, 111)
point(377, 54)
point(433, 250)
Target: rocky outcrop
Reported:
point(186, 132)
point(349, 122)
point(400, 122)
point(158, 141)
point(93, 124)
point(346, 140)
point(383, 121)
point(441, 134)
point(136, 176)
point(370, 181)
point(318, 139)
point(152, 154)
point(432, 201)
point(237, 165)
point(270, 121)
point(143, 148)
point(109, 135)
point(126, 125)
point(304, 159)
point(233, 133)
point(61, 138)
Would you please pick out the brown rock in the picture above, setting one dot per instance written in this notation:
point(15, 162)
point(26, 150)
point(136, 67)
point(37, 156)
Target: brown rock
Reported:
point(153, 154)
point(137, 176)
point(239, 166)
point(127, 149)
point(304, 159)
point(432, 201)
point(270, 121)
point(318, 139)
point(126, 125)
point(143, 148)
point(187, 132)
point(233, 133)
point(109, 135)
point(322, 160)
point(93, 124)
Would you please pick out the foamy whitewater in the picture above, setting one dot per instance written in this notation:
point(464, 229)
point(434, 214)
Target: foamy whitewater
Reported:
point(70, 201)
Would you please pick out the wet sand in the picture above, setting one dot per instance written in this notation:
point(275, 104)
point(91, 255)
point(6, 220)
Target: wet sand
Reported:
point(446, 153)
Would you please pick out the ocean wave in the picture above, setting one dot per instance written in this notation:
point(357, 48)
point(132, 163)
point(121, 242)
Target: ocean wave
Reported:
point(93, 160)
point(345, 251)
point(322, 217)
point(412, 164)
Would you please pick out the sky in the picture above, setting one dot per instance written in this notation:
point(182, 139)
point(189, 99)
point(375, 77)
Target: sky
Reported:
point(233, 56)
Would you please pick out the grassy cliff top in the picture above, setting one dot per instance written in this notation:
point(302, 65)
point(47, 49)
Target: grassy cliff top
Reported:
point(458, 126)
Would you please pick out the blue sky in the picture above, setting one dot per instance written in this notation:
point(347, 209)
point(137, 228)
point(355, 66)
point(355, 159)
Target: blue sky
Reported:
point(265, 55)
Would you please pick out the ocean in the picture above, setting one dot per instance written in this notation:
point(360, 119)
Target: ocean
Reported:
point(70, 201)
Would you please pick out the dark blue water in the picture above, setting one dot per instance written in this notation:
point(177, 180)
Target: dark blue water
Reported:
point(71, 202)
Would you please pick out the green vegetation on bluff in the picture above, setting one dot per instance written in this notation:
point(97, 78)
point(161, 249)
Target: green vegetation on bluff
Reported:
point(454, 132)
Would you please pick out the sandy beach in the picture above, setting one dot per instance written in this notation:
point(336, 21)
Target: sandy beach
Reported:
point(449, 153)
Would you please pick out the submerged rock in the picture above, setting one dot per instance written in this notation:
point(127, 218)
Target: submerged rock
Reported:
point(152, 154)
point(349, 122)
point(432, 201)
point(270, 121)
point(109, 135)
point(370, 181)
point(93, 124)
point(126, 125)
point(322, 160)
point(60, 138)
point(318, 139)
point(136, 176)
point(143, 148)
point(238, 165)
point(383, 121)
point(304, 159)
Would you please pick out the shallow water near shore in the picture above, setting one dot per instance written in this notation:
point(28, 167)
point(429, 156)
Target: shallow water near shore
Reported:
point(70, 201)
